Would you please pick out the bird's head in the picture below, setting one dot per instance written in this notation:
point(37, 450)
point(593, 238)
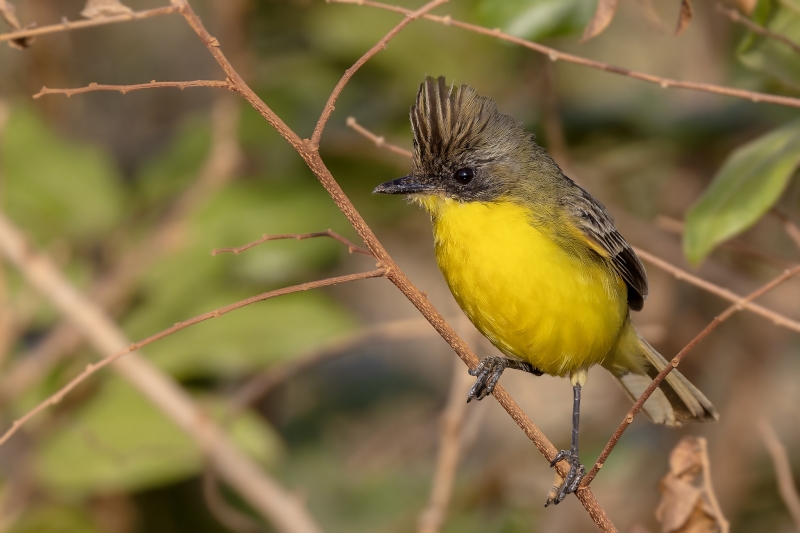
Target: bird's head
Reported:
point(464, 149)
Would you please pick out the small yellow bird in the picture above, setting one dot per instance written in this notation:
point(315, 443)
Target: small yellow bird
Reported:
point(533, 259)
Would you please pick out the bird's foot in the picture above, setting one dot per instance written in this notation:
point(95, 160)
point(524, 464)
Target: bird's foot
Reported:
point(563, 486)
point(487, 374)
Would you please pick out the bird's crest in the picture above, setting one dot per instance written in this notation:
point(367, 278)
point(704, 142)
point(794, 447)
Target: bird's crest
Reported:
point(445, 119)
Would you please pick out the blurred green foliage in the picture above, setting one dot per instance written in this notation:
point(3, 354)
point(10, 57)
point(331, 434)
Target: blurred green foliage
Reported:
point(749, 183)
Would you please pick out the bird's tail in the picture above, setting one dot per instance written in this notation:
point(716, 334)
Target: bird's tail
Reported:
point(675, 402)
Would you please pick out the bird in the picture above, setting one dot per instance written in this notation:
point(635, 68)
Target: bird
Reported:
point(533, 260)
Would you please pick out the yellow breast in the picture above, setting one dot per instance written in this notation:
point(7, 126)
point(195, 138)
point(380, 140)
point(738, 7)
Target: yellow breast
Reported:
point(529, 296)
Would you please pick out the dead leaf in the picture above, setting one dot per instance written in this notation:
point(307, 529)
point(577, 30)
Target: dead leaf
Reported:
point(104, 8)
point(686, 505)
point(602, 17)
point(9, 14)
point(685, 16)
point(679, 500)
point(686, 461)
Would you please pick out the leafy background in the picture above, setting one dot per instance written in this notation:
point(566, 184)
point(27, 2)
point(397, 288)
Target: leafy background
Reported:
point(94, 176)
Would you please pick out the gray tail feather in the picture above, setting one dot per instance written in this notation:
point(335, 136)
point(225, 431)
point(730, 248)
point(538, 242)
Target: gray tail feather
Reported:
point(675, 402)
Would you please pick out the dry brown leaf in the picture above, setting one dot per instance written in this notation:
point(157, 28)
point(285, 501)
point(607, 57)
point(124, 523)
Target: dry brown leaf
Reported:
point(104, 8)
point(685, 505)
point(602, 17)
point(685, 16)
point(679, 500)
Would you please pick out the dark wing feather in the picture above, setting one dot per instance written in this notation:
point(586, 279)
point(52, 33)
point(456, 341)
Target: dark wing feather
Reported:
point(596, 224)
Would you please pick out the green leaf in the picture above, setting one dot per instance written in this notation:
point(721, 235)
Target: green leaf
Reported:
point(52, 186)
point(119, 441)
point(768, 55)
point(750, 181)
point(536, 19)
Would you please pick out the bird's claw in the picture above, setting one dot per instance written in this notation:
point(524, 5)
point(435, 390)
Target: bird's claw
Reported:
point(487, 375)
point(563, 486)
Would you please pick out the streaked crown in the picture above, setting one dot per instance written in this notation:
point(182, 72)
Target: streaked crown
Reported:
point(456, 126)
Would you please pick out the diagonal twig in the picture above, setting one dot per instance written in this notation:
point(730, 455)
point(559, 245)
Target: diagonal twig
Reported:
point(676, 361)
point(556, 55)
point(776, 318)
point(297, 236)
point(379, 141)
point(132, 347)
point(738, 18)
point(380, 45)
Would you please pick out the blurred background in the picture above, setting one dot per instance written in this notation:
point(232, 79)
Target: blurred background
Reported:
point(339, 392)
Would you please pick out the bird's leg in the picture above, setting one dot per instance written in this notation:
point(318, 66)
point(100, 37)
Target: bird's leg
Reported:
point(488, 372)
point(576, 470)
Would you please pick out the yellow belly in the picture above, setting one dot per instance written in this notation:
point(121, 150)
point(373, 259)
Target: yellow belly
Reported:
point(524, 292)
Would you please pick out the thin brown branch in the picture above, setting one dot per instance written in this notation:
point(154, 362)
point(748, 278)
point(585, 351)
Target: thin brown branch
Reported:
point(297, 236)
point(556, 55)
point(776, 318)
point(135, 87)
point(738, 306)
point(433, 517)
point(380, 45)
point(94, 367)
point(380, 142)
point(67, 25)
point(783, 470)
point(271, 500)
point(738, 18)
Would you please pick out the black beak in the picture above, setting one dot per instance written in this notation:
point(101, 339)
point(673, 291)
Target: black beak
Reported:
point(405, 185)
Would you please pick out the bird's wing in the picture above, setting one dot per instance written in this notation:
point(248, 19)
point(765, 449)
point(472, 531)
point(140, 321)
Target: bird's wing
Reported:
point(597, 225)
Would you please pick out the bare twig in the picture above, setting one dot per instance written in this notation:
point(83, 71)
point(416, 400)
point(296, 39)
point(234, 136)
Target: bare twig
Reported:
point(380, 45)
point(380, 142)
point(738, 18)
point(432, 518)
point(297, 236)
point(253, 484)
point(94, 367)
point(78, 24)
point(556, 55)
point(775, 318)
point(135, 87)
point(783, 470)
point(676, 361)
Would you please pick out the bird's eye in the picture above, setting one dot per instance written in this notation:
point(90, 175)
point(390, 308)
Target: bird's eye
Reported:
point(464, 176)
